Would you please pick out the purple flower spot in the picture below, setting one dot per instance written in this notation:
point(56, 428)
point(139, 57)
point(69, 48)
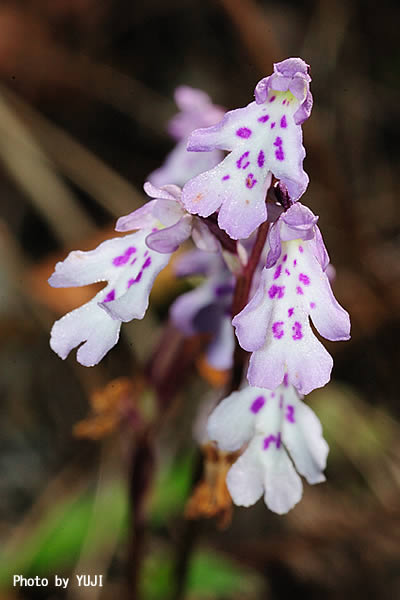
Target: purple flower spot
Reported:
point(244, 132)
point(287, 272)
point(273, 290)
point(294, 262)
point(223, 289)
point(110, 296)
point(146, 253)
point(260, 159)
point(118, 261)
point(276, 290)
point(134, 260)
point(286, 380)
point(290, 413)
point(250, 181)
point(279, 152)
point(273, 395)
point(257, 404)
point(285, 258)
point(147, 263)
point(312, 304)
point(297, 335)
point(277, 271)
point(299, 290)
point(241, 159)
point(263, 119)
point(135, 279)
point(225, 177)
point(273, 125)
point(277, 330)
point(281, 401)
point(271, 439)
point(301, 249)
point(283, 122)
point(272, 98)
point(290, 312)
point(304, 279)
point(284, 102)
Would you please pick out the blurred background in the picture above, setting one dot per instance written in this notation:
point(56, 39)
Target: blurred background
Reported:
point(86, 90)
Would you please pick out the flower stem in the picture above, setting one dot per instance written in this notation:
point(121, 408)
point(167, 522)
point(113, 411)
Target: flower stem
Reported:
point(240, 299)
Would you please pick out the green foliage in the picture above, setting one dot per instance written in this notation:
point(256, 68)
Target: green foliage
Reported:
point(56, 541)
point(210, 576)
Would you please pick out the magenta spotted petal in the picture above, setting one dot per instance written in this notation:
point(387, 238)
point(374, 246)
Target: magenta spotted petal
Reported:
point(275, 425)
point(264, 139)
point(275, 325)
point(129, 267)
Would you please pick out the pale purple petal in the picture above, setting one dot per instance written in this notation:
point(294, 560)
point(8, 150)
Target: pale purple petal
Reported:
point(130, 269)
point(134, 285)
point(275, 323)
point(169, 239)
point(252, 322)
point(297, 223)
point(220, 351)
point(307, 364)
point(194, 262)
point(302, 436)
point(165, 192)
point(101, 264)
point(141, 218)
point(88, 324)
point(320, 250)
point(329, 318)
point(274, 242)
point(203, 238)
point(240, 220)
point(264, 139)
point(187, 306)
point(292, 75)
point(283, 487)
point(197, 110)
point(231, 424)
point(181, 165)
point(245, 479)
point(168, 212)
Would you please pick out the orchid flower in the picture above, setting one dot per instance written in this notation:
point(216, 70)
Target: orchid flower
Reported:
point(277, 427)
point(263, 139)
point(130, 265)
point(275, 326)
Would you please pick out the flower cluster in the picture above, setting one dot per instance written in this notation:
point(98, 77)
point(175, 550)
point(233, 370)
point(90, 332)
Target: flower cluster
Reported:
point(227, 199)
point(275, 425)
